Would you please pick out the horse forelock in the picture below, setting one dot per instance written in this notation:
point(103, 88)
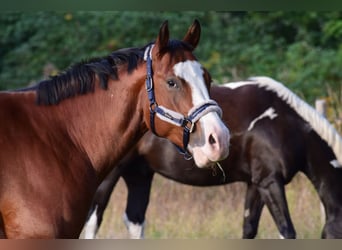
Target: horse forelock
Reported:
point(173, 46)
point(80, 78)
point(319, 123)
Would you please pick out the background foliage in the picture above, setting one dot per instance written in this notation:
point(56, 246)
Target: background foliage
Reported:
point(301, 49)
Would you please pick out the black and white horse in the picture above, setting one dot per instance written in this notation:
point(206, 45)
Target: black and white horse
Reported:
point(275, 135)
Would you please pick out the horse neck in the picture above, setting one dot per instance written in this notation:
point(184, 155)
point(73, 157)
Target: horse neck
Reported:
point(106, 123)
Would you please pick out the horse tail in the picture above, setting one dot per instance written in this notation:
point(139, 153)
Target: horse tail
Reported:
point(317, 121)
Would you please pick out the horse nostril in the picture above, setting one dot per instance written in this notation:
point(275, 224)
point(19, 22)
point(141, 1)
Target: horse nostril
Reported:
point(212, 140)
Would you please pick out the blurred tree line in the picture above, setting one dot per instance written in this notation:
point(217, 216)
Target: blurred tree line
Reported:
point(301, 49)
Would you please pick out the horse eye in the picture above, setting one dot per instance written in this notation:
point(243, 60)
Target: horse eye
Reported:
point(172, 83)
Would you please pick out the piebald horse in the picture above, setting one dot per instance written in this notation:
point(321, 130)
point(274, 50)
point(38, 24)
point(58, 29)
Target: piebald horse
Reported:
point(275, 135)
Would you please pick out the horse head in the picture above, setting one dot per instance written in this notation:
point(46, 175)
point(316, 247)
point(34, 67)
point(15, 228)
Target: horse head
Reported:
point(180, 108)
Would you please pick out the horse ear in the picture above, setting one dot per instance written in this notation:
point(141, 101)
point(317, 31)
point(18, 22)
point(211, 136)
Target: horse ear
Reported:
point(163, 36)
point(193, 35)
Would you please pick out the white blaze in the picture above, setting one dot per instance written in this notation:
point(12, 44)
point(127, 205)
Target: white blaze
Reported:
point(192, 72)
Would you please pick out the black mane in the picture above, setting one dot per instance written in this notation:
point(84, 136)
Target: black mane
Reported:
point(80, 78)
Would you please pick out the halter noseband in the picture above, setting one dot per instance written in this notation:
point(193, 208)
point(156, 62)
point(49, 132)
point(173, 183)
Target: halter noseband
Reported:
point(173, 117)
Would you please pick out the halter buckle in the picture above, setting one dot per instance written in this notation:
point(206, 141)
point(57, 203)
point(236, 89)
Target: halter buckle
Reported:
point(190, 128)
point(149, 83)
point(153, 106)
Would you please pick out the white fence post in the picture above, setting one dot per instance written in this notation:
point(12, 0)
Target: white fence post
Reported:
point(321, 106)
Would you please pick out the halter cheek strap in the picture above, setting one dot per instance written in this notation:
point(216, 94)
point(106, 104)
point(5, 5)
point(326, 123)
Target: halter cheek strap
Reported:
point(173, 117)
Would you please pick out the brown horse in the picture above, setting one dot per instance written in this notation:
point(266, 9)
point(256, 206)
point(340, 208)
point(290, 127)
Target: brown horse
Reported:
point(60, 138)
point(275, 135)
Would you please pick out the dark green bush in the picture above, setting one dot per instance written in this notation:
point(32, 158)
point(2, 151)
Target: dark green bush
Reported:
point(301, 49)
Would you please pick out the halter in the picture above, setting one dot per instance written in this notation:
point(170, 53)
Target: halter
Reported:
point(173, 117)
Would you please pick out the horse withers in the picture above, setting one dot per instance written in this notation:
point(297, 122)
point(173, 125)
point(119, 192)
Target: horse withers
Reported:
point(61, 137)
point(275, 135)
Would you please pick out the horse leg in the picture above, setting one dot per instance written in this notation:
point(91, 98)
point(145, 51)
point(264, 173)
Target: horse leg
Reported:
point(139, 186)
point(273, 194)
point(332, 230)
point(331, 203)
point(99, 203)
point(333, 225)
point(253, 208)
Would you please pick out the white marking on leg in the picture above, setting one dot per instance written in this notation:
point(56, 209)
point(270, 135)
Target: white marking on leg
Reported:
point(270, 113)
point(90, 228)
point(246, 214)
point(281, 237)
point(335, 164)
point(135, 230)
point(323, 216)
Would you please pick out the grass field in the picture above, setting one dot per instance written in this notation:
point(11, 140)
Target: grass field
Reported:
point(178, 211)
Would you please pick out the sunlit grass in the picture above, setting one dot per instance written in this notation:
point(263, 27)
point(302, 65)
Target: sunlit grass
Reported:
point(179, 211)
